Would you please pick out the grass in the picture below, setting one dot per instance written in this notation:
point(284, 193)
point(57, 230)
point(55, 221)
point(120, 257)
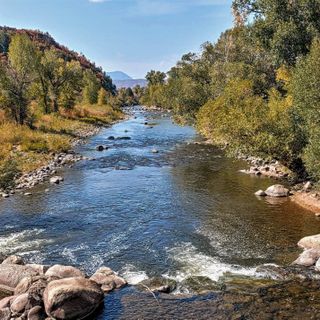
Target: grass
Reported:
point(23, 149)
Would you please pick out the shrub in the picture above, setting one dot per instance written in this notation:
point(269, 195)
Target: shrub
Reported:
point(8, 172)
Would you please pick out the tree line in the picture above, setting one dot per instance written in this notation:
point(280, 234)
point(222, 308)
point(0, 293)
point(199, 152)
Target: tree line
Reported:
point(29, 74)
point(256, 89)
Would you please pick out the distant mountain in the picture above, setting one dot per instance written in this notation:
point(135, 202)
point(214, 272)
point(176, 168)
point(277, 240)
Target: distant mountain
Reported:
point(130, 83)
point(118, 75)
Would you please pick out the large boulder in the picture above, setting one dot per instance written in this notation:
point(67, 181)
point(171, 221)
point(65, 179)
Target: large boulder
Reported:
point(72, 298)
point(13, 260)
point(6, 302)
point(19, 304)
point(277, 190)
point(60, 271)
point(40, 268)
point(107, 279)
point(5, 291)
point(26, 283)
point(5, 314)
point(12, 274)
point(36, 313)
point(308, 257)
point(310, 242)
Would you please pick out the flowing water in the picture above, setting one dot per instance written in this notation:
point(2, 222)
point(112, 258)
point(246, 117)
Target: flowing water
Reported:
point(184, 211)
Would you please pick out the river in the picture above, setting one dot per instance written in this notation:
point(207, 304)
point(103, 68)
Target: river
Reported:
point(183, 211)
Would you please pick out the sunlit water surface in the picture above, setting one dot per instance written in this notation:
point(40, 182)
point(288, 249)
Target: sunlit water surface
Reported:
point(183, 211)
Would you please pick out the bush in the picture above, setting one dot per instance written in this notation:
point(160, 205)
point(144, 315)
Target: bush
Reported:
point(8, 172)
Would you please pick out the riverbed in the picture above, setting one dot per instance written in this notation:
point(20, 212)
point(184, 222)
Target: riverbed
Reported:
point(157, 204)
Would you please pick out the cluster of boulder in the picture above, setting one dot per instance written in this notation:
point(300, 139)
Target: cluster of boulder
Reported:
point(35, 292)
point(272, 169)
point(311, 254)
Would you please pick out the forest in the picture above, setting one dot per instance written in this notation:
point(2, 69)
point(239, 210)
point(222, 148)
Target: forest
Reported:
point(255, 91)
point(49, 96)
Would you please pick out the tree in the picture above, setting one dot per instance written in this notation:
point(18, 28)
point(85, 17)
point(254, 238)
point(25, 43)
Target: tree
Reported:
point(62, 77)
point(306, 100)
point(17, 75)
point(286, 28)
point(102, 97)
point(91, 87)
point(155, 77)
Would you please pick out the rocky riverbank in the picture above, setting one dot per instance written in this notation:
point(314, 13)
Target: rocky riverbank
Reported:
point(30, 179)
point(35, 292)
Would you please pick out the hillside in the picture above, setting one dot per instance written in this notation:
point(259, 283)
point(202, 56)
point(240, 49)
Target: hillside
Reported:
point(43, 41)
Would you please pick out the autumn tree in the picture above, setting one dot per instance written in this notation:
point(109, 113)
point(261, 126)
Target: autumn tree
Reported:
point(16, 77)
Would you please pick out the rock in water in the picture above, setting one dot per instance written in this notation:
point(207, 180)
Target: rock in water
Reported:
point(310, 242)
point(56, 179)
point(60, 271)
point(158, 284)
point(260, 193)
point(100, 148)
point(308, 258)
point(72, 298)
point(277, 190)
point(107, 279)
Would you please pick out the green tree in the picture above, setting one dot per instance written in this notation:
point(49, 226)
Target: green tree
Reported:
point(62, 79)
point(91, 87)
point(17, 75)
point(155, 77)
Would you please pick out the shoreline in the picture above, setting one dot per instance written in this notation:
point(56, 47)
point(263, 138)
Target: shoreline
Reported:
point(44, 173)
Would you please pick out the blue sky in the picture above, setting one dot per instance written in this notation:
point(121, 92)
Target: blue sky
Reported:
point(133, 36)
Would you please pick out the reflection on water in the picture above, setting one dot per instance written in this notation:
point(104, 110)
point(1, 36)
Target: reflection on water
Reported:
point(185, 210)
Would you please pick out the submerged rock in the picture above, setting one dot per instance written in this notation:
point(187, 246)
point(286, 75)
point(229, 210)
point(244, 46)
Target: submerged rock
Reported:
point(99, 148)
point(199, 285)
point(277, 190)
point(158, 284)
point(72, 298)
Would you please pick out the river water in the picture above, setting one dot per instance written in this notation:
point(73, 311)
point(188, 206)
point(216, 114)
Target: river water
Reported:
point(184, 211)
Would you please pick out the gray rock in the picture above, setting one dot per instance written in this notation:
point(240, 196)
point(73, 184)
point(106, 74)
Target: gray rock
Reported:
point(154, 151)
point(111, 138)
point(72, 298)
point(6, 302)
point(277, 190)
point(28, 194)
point(40, 268)
point(5, 291)
point(60, 271)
